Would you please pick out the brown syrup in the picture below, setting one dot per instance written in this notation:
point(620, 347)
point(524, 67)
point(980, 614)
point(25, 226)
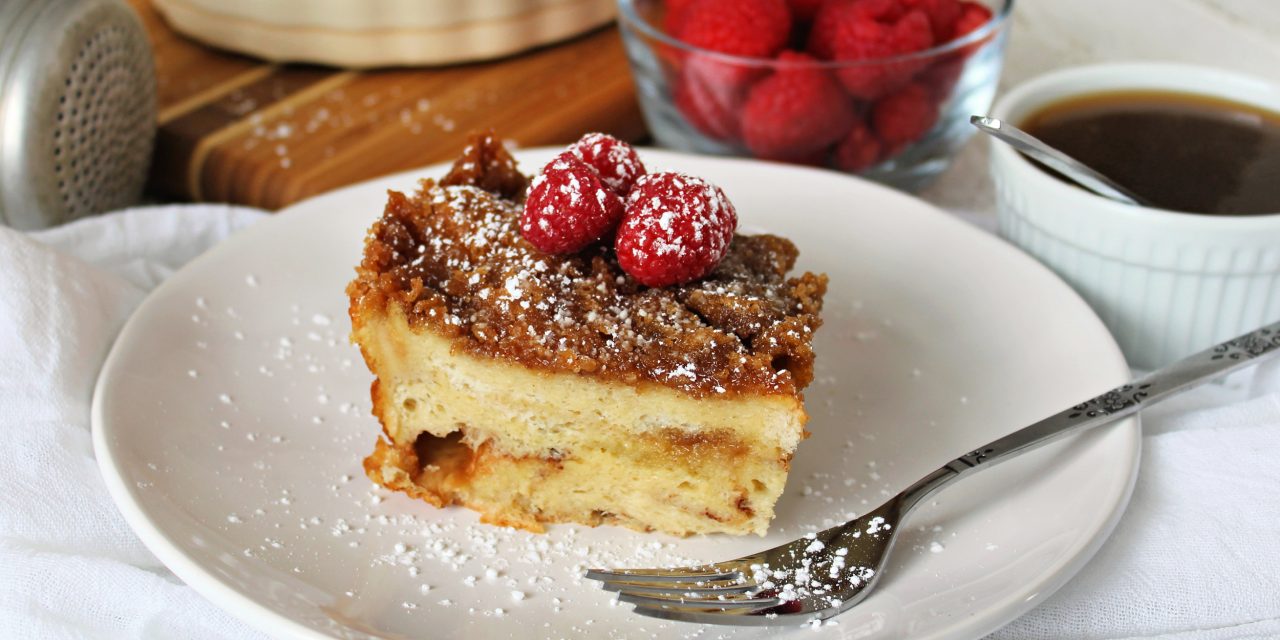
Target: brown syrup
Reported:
point(1180, 151)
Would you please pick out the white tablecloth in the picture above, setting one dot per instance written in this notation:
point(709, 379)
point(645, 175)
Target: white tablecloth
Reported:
point(1197, 555)
point(69, 565)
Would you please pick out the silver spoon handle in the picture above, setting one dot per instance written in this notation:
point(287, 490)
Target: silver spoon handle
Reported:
point(1054, 159)
point(1117, 403)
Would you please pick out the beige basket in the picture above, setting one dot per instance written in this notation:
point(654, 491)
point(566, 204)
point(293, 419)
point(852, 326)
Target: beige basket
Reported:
point(373, 33)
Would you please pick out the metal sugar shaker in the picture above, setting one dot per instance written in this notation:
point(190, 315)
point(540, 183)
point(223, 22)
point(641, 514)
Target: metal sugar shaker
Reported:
point(77, 109)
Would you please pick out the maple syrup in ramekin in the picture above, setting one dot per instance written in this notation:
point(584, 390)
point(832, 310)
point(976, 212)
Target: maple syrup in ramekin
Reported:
point(1180, 151)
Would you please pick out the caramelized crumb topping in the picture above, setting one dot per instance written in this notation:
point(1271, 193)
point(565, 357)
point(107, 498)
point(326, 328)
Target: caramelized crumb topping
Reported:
point(451, 256)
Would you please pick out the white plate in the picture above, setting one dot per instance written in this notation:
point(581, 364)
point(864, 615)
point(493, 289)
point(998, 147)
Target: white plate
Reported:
point(231, 417)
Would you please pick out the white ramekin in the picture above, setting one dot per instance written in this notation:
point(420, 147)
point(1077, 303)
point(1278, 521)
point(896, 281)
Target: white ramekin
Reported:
point(1165, 283)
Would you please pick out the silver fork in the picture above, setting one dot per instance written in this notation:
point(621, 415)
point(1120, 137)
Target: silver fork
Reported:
point(825, 573)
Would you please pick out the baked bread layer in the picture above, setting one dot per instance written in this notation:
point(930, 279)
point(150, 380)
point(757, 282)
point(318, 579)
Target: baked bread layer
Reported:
point(526, 447)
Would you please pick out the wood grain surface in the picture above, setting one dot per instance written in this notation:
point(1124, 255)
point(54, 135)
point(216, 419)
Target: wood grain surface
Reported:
point(235, 129)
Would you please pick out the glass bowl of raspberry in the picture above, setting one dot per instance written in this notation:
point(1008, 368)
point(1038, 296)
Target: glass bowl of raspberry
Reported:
point(879, 88)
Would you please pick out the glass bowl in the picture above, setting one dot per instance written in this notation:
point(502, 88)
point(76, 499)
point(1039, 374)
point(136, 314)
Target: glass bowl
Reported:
point(899, 119)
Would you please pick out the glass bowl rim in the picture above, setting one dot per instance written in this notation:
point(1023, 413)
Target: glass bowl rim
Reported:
point(633, 20)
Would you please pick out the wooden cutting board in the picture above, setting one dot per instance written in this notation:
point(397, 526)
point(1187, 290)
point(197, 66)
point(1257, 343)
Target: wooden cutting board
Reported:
point(235, 129)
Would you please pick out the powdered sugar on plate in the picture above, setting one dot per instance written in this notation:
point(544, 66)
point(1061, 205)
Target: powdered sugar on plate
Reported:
point(210, 501)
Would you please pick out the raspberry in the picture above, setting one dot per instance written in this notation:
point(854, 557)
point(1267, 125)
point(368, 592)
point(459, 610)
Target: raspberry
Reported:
point(942, 14)
point(904, 116)
point(751, 28)
point(868, 30)
point(817, 158)
point(835, 19)
point(804, 9)
point(676, 229)
point(710, 94)
point(858, 151)
point(568, 207)
point(615, 161)
point(705, 113)
point(674, 17)
point(941, 78)
point(972, 18)
point(709, 91)
point(796, 111)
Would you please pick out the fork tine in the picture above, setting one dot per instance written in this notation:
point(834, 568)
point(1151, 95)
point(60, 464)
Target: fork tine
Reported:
point(768, 616)
point(665, 613)
point(730, 601)
point(685, 574)
point(702, 588)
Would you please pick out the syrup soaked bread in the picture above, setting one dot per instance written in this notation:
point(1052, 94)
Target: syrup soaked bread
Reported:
point(537, 387)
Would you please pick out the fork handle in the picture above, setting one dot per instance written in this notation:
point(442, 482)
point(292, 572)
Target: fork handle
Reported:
point(1117, 403)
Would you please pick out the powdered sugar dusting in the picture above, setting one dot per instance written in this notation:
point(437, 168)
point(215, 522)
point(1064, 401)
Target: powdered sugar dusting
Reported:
point(568, 207)
point(616, 162)
point(453, 255)
point(675, 223)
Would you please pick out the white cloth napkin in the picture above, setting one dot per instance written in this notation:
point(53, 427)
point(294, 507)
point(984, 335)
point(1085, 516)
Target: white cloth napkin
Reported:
point(1197, 555)
point(69, 565)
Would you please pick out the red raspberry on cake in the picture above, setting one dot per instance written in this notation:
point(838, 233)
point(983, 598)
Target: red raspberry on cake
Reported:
point(858, 151)
point(616, 162)
point(868, 30)
point(796, 111)
point(676, 229)
point(903, 117)
point(568, 207)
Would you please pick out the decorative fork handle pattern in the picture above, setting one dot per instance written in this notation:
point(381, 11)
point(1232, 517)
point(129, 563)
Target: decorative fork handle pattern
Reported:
point(1119, 402)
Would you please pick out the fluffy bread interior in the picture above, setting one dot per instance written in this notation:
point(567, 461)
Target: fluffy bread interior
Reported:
point(526, 447)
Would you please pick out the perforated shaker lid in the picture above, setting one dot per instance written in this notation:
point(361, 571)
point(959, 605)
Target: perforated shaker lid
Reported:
point(77, 109)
